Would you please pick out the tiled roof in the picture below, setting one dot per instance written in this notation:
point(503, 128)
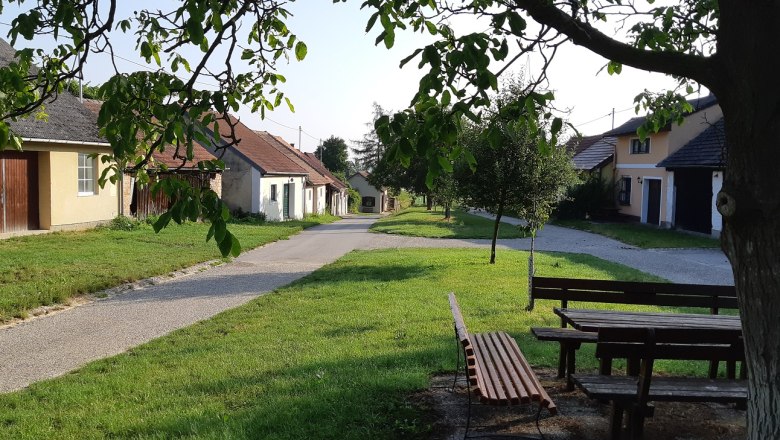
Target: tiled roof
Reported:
point(68, 120)
point(260, 151)
point(315, 178)
point(315, 163)
point(707, 150)
point(630, 126)
point(595, 155)
point(576, 144)
point(199, 153)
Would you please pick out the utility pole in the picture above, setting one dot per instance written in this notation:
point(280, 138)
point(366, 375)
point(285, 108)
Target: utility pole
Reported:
point(322, 151)
point(300, 147)
point(613, 118)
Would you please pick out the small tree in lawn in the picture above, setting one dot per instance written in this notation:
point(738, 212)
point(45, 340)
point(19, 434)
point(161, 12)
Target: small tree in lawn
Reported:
point(516, 170)
point(446, 191)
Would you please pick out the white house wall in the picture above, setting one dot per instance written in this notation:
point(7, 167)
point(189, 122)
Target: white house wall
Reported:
point(309, 200)
point(361, 185)
point(239, 180)
point(273, 209)
point(717, 219)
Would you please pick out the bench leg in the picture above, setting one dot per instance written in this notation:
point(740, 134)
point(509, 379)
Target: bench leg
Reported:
point(562, 360)
point(632, 367)
point(605, 366)
point(636, 423)
point(616, 421)
point(731, 369)
point(713, 369)
point(571, 357)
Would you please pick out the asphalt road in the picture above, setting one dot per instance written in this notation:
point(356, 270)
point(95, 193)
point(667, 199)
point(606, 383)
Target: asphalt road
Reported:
point(53, 345)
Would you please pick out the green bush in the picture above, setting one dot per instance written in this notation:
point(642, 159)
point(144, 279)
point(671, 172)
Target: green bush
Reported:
point(586, 200)
point(122, 223)
point(242, 217)
point(354, 200)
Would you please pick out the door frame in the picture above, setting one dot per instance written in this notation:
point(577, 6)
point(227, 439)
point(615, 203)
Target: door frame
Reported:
point(285, 201)
point(646, 198)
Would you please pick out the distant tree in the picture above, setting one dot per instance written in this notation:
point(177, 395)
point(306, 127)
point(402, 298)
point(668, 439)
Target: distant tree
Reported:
point(446, 192)
point(333, 154)
point(353, 166)
point(370, 149)
point(88, 91)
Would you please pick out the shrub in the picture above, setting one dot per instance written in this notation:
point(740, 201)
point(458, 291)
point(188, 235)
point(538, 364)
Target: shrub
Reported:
point(240, 216)
point(354, 200)
point(122, 223)
point(586, 200)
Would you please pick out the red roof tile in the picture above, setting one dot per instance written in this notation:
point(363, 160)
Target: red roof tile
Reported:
point(294, 155)
point(315, 163)
point(165, 157)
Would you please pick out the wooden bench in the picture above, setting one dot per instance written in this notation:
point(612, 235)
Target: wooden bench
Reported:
point(564, 290)
point(496, 368)
point(632, 395)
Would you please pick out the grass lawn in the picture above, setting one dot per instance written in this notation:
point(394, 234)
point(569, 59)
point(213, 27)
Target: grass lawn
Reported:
point(51, 268)
point(643, 236)
point(335, 355)
point(418, 222)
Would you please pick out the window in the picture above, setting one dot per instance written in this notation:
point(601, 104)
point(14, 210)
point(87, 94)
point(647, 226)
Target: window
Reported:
point(273, 193)
point(624, 193)
point(369, 201)
point(639, 147)
point(87, 170)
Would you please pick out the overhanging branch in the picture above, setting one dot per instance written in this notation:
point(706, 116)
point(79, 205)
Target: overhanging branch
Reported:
point(694, 67)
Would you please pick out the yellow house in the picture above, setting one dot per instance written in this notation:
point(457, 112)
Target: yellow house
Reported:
point(646, 192)
point(52, 183)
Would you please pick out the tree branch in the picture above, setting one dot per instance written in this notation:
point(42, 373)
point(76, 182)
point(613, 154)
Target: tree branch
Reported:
point(694, 67)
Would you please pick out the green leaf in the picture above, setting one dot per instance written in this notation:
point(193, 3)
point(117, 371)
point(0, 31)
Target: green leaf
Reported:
point(300, 50)
point(162, 222)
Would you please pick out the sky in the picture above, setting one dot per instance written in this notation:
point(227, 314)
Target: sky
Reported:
point(333, 89)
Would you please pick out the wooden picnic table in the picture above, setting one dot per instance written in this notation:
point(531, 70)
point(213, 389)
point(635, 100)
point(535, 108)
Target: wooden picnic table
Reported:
point(590, 320)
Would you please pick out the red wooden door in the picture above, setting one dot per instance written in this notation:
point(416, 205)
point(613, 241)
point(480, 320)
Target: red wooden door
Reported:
point(18, 191)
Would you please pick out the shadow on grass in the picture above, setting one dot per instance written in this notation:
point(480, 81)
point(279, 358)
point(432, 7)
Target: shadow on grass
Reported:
point(362, 272)
point(353, 398)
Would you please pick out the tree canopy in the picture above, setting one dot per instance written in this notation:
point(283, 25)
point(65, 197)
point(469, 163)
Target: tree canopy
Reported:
point(333, 154)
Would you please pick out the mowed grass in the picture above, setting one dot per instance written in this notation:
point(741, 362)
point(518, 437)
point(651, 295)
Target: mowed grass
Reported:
point(52, 268)
point(336, 355)
point(644, 236)
point(418, 222)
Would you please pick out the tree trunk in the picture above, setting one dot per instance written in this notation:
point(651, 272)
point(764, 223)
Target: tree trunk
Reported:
point(749, 93)
point(531, 271)
point(499, 213)
point(447, 211)
point(429, 202)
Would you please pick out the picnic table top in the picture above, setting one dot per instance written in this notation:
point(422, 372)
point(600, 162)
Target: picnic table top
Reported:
point(590, 320)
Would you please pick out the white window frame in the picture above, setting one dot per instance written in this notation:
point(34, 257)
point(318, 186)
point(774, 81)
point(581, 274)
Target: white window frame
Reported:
point(86, 182)
point(631, 146)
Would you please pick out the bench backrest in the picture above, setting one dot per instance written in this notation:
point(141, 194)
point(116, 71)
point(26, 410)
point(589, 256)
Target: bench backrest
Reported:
point(686, 344)
point(713, 297)
point(462, 334)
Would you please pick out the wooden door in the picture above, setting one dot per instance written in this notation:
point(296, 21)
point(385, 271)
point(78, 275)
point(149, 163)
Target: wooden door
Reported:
point(286, 201)
point(18, 191)
point(653, 201)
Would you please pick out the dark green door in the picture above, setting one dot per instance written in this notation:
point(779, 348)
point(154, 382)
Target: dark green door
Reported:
point(286, 201)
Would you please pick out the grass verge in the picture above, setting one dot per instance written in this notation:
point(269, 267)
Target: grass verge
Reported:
point(336, 355)
point(49, 269)
point(643, 236)
point(418, 222)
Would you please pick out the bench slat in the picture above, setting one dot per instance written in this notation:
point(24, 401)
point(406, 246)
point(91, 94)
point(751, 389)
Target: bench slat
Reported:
point(509, 362)
point(563, 334)
point(664, 389)
point(493, 392)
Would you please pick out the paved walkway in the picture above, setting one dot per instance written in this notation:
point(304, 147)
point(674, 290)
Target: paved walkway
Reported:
point(697, 266)
point(53, 345)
